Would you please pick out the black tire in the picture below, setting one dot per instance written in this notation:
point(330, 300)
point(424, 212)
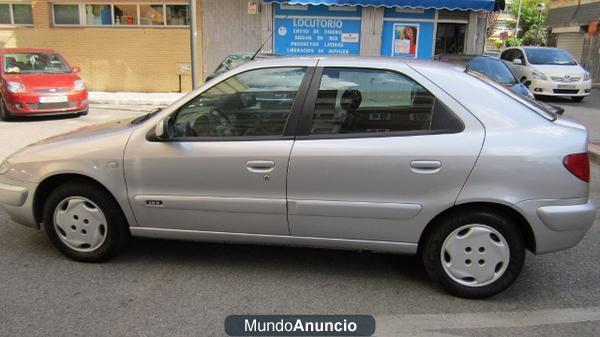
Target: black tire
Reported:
point(117, 229)
point(577, 99)
point(4, 114)
point(432, 247)
point(84, 112)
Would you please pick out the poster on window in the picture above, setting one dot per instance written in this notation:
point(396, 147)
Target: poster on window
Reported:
point(405, 40)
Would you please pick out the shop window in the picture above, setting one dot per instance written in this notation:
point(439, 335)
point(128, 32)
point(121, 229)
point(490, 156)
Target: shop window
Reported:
point(450, 38)
point(152, 15)
point(16, 14)
point(97, 15)
point(66, 14)
point(125, 15)
point(178, 15)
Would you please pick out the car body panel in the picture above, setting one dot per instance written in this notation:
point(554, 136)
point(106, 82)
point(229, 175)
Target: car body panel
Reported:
point(501, 157)
point(41, 85)
point(557, 76)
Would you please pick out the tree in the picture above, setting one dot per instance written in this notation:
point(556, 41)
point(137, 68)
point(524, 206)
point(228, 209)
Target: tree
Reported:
point(492, 22)
point(529, 16)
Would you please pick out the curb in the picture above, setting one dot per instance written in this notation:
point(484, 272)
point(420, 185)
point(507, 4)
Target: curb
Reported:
point(132, 98)
point(594, 152)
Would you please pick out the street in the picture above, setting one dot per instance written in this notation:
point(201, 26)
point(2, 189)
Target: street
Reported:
point(171, 288)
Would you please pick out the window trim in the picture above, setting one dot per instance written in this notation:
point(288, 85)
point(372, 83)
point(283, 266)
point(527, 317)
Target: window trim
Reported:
point(304, 126)
point(291, 124)
point(12, 15)
point(83, 15)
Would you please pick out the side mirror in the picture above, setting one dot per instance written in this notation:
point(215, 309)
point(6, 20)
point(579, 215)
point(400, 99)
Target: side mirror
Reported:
point(518, 62)
point(161, 130)
point(76, 69)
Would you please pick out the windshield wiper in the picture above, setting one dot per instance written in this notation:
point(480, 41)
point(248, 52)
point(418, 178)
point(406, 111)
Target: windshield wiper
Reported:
point(145, 117)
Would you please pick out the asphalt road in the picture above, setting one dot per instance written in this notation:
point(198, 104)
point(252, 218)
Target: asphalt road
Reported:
point(169, 288)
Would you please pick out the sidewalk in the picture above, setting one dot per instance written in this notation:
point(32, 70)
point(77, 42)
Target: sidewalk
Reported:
point(133, 98)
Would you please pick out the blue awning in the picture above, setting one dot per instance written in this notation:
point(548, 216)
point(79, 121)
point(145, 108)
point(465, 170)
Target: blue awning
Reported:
point(464, 5)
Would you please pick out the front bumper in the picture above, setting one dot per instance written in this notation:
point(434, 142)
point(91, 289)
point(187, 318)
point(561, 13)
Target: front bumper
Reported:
point(28, 104)
point(558, 224)
point(16, 198)
point(551, 88)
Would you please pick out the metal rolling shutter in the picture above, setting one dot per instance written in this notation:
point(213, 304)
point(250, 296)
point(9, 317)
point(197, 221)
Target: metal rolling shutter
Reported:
point(571, 42)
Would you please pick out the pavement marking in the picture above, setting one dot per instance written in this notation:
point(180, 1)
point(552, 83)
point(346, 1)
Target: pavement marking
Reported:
point(438, 324)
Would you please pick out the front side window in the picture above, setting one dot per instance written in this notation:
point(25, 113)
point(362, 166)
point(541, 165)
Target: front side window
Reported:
point(253, 103)
point(34, 63)
point(16, 14)
point(362, 101)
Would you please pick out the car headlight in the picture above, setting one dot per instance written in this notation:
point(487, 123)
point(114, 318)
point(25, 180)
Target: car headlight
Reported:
point(538, 76)
point(79, 85)
point(587, 76)
point(15, 87)
point(4, 167)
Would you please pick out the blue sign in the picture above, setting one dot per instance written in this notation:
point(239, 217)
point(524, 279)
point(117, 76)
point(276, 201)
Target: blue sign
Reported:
point(408, 33)
point(317, 30)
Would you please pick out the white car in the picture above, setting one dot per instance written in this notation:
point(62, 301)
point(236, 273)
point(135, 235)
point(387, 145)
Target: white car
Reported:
point(549, 71)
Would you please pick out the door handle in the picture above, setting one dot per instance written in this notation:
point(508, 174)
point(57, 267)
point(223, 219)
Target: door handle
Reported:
point(260, 166)
point(426, 166)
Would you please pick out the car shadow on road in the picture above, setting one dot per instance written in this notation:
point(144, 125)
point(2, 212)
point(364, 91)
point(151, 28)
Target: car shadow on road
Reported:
point(271, 258)
point(42, 118)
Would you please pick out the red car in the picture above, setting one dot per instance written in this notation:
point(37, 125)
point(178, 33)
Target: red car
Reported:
point(39, 82)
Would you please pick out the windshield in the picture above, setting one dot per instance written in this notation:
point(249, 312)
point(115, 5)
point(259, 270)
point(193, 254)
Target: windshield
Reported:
point(549, 56)
point(495, 70)
point(544, 110)
point(34, 63)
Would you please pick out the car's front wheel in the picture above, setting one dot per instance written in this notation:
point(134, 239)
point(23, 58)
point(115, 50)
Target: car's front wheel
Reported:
point(474, 254)
point(84, 222)
point(4, 113)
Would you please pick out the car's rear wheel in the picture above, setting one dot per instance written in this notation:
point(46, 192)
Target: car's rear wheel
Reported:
point(4, 113)
point(577, 98)
point(84, 222)
point(474, 254)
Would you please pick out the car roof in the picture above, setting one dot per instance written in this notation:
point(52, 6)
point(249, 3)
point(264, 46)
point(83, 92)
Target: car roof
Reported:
point(26, 50)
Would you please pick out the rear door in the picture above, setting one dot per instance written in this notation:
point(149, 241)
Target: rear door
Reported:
point(379, 154)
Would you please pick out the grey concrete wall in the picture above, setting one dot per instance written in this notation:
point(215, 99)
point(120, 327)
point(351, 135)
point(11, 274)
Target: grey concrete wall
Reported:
point(228, 28)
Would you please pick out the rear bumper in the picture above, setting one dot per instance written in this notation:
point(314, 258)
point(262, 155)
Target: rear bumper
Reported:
point(550, 88)
point(17, 200)
point(558, 224)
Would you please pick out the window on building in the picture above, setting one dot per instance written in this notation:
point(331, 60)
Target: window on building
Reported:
point(152, 15)
point(360, 101)
point(16, 14)
point(66, 14)
point(178, 15)
point(130, 14)
point(126, 14)
point(97, 15)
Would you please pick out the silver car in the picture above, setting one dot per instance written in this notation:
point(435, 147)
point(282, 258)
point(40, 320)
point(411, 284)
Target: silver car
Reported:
point(352, 153)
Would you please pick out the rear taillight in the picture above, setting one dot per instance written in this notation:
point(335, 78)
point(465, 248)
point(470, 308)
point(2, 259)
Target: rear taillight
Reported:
point(579, 165)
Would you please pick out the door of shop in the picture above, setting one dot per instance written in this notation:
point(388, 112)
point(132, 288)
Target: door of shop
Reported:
point(450, 38)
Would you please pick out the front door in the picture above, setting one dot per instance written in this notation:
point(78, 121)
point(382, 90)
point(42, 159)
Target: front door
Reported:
point(381, 155)
point(224, 166)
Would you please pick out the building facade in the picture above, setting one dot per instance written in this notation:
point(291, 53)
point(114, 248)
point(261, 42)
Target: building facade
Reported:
point(402, 28)
point(120, 45)
point(144, 45)
point(575, 26)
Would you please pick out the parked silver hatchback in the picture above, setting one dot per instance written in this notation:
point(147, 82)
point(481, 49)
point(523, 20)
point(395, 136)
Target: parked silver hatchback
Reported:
point(353, 153)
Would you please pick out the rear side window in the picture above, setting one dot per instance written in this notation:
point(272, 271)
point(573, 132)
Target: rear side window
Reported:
point(373, 101)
